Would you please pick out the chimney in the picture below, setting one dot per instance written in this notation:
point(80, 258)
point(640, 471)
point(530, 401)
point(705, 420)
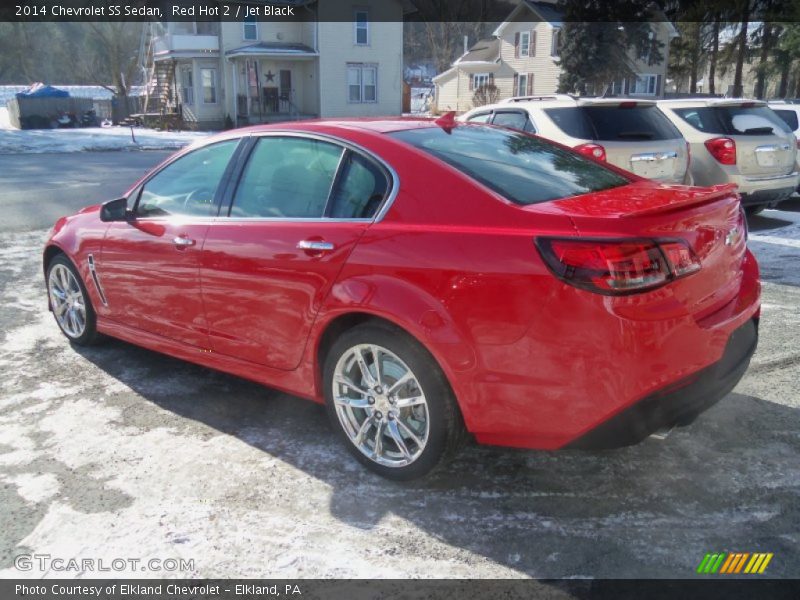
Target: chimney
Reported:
point(466, 43)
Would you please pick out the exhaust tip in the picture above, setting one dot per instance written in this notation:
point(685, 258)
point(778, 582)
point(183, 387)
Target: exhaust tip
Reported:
point(663, 433)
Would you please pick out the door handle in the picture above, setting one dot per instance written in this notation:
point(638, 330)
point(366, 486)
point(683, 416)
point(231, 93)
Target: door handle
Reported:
point(315, 246)
point(183, 242)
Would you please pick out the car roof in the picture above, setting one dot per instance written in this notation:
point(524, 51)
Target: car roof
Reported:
point(560, 100)
point(369, 124)
point(695, 102)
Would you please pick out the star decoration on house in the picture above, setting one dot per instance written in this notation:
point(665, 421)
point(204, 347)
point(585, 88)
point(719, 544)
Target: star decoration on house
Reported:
point(270, 76)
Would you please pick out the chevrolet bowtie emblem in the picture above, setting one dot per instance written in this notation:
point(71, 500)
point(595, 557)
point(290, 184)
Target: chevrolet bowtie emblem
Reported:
point(732, 237)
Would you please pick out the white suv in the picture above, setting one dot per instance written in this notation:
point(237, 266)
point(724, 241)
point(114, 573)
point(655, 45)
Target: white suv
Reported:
point(739, 141)
point(790, 113)
point(629, 133)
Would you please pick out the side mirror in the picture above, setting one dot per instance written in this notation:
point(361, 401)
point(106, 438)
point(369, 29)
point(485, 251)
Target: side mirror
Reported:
point(115, 210)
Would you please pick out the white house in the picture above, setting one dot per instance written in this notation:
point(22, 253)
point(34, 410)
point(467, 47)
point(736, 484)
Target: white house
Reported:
point(278, 70)
point(520, 60)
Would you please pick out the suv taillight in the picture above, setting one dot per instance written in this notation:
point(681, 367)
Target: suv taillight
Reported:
point(723, 149)
point(596, 151)
point(616, 267)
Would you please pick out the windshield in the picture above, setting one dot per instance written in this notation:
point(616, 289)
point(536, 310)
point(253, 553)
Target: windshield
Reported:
point(613, 123)
point(520, 167)
point(734, 120)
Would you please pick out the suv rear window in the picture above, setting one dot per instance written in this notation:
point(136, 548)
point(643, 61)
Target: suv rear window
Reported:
point(789, 117)
point(613, 123)
point(734, 120)
point(520, 167)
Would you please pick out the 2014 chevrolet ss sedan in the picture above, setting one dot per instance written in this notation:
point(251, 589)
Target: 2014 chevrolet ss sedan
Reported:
point(424, 280)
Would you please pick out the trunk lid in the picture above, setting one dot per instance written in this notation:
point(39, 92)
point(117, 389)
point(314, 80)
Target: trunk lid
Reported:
point(665, 160)
point(764, 155)
point(710, 220)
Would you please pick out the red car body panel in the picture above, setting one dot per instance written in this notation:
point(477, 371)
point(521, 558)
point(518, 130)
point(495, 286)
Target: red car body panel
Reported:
point(534, 362)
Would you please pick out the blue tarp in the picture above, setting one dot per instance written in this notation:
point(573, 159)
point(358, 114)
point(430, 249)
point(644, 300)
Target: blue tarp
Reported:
point(43, 91)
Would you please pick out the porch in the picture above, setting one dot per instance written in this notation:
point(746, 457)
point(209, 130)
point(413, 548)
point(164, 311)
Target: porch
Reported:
point(274, 82)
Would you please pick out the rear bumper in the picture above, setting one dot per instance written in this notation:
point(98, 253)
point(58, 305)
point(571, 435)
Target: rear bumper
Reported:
point(679, 403)
point(767, 190)
point(567, 378)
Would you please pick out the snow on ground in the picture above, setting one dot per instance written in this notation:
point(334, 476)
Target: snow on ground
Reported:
point(37, 141)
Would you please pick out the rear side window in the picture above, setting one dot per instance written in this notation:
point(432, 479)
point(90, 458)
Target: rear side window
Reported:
point(789, 117)
point(522, 168)
point(734, 120)
point(287, 177)
point(359, 190)
point(513, 119)
point(614, 123)
point(480, 118)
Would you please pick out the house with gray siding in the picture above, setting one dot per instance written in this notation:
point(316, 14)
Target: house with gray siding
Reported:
point(278, 70)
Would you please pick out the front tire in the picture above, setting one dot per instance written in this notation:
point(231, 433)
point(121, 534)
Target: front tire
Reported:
point(70, 302)
point(390, 402)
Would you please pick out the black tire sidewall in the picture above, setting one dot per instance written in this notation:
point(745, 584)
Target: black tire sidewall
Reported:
point(442, 413)
point(89, 334)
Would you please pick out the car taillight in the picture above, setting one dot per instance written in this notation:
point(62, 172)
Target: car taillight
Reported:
point(616, 267)
point(593, 150)
point(723, 149)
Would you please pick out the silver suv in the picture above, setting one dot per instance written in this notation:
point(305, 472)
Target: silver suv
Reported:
point(738, 141)
point(629, 133)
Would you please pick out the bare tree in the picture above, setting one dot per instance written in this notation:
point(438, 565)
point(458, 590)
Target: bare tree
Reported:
point(486, 94)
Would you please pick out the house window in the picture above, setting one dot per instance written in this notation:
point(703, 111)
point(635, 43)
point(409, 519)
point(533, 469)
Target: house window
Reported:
point(644, 85)
point(555, 44)
point(208, 79)
point(187, 85)
point(525, 43)
point(479, 80)
point(522, 85)
point(361, 20)
point(362, 83)
point(250, 26)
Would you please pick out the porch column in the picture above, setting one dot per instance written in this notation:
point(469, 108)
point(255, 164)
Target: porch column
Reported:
point(235, 95)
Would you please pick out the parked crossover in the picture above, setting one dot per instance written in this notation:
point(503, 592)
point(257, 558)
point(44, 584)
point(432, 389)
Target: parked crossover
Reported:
point(631, 134)
point(423, 280)
point(738, 141)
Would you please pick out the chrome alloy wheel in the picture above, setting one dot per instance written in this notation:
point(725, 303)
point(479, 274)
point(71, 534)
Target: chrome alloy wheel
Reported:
point(67, 301)
point(381, 405)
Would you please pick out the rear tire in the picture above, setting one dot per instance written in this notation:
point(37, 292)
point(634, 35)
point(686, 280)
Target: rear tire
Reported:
point(70, 302)
point(755, 209)
point(396, 414)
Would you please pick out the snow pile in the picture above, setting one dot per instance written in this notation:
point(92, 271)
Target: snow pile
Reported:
point(38, 141)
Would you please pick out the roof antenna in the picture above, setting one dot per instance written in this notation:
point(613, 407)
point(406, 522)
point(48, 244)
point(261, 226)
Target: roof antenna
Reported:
point(447, 121)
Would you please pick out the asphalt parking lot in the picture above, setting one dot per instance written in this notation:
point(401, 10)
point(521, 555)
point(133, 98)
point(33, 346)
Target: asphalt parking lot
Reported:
point(118, 452)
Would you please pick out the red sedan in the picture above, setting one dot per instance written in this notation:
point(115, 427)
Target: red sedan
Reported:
point(424, 280)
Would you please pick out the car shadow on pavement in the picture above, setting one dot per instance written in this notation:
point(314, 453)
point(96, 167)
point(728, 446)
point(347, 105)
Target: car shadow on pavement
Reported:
point(761, 222)
point(728, 482)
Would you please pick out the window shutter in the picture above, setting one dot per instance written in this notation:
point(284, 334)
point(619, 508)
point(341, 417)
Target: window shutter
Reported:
point(532, 45)
point(516, 85)
point(516, 45)
point(658, 85)
point(530, 84)
point(491, 78)
point(471, 82)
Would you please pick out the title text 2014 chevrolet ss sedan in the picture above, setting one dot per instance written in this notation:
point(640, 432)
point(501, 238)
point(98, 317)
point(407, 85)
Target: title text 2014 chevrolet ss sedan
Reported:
point(424, 280)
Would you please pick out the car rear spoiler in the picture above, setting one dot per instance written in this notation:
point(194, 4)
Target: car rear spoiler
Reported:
point(700, 197)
